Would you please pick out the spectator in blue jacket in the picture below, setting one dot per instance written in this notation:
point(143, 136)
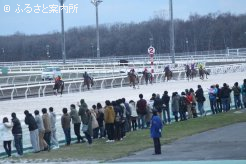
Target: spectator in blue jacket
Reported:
point(155, 132)
point(243, 91)
point(212, 92)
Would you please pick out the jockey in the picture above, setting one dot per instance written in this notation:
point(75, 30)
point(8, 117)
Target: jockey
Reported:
point(187, 67)
point(192, 66)
point(166, 69)
point(57, 79)
point(145, 70)
point(132, 71)
point(86, 76)
point(200, 66)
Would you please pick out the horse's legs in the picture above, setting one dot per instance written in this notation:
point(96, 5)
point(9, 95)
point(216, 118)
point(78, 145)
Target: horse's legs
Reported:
point(206, 75)
point(61, 91)
point(202, 76)
point(55, 92)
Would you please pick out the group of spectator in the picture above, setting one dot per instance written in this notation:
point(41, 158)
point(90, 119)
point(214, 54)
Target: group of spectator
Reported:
point(220, 98)
point(116, 118)
point(42, 131)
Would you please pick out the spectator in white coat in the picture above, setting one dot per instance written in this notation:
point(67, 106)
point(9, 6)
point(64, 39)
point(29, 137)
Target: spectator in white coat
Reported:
point(6, 135)
point(134, 115)
point(54, 140)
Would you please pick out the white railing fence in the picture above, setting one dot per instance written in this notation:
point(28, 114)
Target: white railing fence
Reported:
point(45, 89)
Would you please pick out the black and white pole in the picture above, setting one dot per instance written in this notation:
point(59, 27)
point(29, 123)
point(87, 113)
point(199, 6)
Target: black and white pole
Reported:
point(151, 51)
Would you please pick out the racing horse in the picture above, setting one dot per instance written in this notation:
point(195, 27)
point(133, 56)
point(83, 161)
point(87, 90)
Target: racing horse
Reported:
point(203, 72)
point(148, 77)
point(59, 85)
point(168, 74)
point(133, 79)
point(190, 73)
point(88, 81)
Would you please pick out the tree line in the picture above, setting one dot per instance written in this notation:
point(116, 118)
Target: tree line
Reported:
point(213, 31)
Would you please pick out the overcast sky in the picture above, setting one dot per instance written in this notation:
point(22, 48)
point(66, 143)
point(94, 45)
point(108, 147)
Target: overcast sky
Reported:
point(26, 19)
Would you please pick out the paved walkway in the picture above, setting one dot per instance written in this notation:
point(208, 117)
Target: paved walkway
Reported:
point(227, 143)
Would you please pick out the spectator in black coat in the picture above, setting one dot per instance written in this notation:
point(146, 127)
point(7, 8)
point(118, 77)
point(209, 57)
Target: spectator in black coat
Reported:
point(183, 106)
point(166, 112)
point(200, 99)
point(100, 120)
point(128, 115)
point(118, 119)
point(218, 98)
point(225, 97)
point(33, 128)
point(237, 96)
point(17, 133)
point(158, 105)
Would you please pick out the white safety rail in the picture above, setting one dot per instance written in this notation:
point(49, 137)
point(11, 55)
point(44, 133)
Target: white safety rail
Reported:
point(222, 69)
point(74, 74)
point(40, 90)
point(236, 52)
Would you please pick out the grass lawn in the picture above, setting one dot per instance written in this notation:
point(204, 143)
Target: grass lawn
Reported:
point(138, 140)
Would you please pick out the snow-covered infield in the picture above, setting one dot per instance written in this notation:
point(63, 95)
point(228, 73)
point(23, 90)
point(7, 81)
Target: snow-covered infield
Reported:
point(94, 96)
